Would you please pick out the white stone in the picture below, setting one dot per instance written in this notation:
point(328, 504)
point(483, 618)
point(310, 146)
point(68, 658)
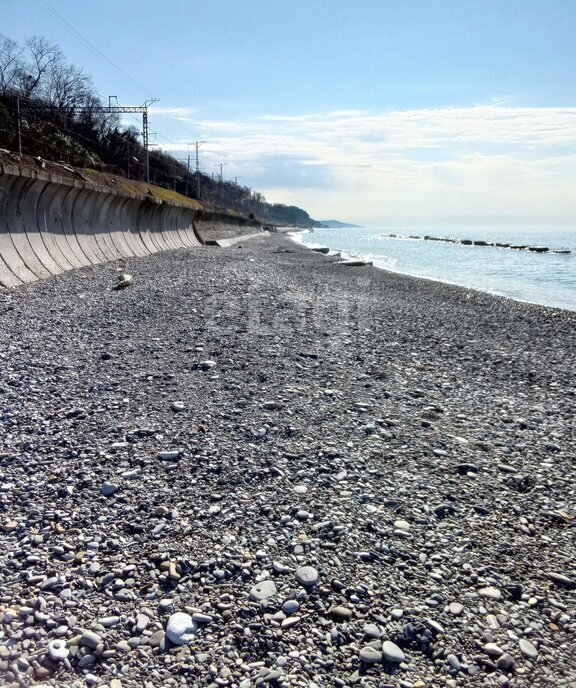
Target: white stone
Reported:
point(142, 621)
point(456, 608)
point(279, 567)
point(490, 593)
point(527, 648)
point(263, 590)
point(181, 628)
point(306, 575)
point(169, 455)
point(58, 650)
point(493, 650)
point(392, 652)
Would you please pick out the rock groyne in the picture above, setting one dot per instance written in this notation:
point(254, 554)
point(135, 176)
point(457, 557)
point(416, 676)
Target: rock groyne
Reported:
point(482, 242)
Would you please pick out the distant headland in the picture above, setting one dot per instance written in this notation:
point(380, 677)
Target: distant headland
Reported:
point(335, 224)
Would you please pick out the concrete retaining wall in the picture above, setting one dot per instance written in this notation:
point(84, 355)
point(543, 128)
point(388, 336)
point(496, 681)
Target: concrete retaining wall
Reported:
point(212, 227)
point(50, 223)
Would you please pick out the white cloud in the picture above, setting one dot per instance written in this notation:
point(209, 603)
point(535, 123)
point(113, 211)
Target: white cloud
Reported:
point(486, 161)
point(182, 113)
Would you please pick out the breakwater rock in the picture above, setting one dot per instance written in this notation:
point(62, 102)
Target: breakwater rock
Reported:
point(482, 242)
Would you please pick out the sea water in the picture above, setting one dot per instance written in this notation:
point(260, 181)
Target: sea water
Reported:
point(544, 278)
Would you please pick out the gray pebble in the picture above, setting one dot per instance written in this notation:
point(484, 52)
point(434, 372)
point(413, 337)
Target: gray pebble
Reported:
point(506, 662)
point(527, 648)
point(263, 590)
point(371, 630)
point(169, 455)
point(199, 617)
point(454, 662)
point(392, 652)
point(108, 489)
point(341, 612)
point(90, 639)
point(370, 655)
point(306, 576)
point(493, 650)
point(456, 608)
point(290, 606)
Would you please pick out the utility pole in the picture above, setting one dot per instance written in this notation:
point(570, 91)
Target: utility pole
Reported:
point(221, 166)
point(187, 174)
point(18, 126)
point(145, 143)
point(145, 131)
point(117, 109)
point(198, 144)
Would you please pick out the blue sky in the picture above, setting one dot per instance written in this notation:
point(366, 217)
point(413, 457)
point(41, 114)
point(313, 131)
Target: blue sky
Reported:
point(385, 113)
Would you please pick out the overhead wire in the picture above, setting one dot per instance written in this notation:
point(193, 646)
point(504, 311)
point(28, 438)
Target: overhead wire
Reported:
point(87, 44)
point(92, 48)
point(93, 145)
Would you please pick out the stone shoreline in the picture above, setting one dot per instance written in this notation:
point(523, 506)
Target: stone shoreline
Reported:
point(332, 475)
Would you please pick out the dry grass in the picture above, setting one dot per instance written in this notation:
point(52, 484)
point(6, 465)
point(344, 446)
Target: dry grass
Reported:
point(137, 188)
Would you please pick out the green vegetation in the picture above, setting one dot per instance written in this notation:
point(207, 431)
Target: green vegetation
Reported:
point(290, 215)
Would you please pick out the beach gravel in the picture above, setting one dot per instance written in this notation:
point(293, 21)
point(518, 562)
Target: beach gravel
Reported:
point(256, 467)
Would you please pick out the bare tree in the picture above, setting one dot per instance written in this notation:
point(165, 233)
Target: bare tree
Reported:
point(42, 56)
point(90, 120)
point(11, 63)
point(67, 86)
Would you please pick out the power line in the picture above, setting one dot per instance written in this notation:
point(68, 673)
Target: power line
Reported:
point(87, 44)
point(92, 145)
point(93, 49)
point(39, 106)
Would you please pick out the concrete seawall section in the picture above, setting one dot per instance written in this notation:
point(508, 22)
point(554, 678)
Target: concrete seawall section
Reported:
point(51, 223)
point(213, 228)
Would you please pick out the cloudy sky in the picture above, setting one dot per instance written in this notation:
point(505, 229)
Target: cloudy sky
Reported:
point(383, 113)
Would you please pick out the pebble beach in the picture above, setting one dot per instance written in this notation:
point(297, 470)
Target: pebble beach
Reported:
point(259, 466)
